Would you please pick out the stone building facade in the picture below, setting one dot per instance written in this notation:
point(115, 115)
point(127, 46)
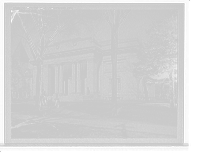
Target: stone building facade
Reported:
point(80, 69)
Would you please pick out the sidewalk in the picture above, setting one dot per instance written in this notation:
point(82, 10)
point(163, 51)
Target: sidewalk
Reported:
point(65, 116)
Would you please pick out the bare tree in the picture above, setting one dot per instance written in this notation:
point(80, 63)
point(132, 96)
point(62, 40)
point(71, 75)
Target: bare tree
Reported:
point(13, 14)
point(49, 25)
point(114, 19)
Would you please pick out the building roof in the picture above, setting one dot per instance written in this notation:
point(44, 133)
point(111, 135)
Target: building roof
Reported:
point(82, 44)
point(20, 53)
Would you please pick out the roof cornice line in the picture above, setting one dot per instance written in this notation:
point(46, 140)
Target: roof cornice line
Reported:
point(122, 49)
point(70, 40)
point(80, 50)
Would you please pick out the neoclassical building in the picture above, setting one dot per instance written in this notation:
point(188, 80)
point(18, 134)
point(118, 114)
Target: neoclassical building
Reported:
point(80, 69)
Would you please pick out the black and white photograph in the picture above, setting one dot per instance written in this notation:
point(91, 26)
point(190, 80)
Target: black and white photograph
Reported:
point(94, 74)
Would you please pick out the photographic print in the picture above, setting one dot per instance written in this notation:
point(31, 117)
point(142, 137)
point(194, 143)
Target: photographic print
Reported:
point(94, 74)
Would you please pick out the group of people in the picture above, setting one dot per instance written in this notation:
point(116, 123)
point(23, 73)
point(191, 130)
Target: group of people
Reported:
point(50, 100)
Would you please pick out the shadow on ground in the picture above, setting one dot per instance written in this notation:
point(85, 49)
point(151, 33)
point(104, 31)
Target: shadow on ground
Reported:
point(155, 105)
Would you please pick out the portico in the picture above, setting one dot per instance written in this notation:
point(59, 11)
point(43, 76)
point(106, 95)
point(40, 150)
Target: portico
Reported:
point(82, 71)
point(73, 78)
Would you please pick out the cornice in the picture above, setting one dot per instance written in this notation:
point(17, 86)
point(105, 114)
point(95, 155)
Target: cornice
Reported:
point(121, 50)
point(72, 52)
point(86, 50)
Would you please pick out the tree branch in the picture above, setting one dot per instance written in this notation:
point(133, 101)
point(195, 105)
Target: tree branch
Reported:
point(65, 20)
point(28, 38)
point(62, 29)
point(41, 39)
point(36, 24)
point(41, 20)
point(32, 52)
point(47, 23)
point(118, 13)
point(38, 21)
point(105, 13)
point(112, 12)
point(123, 16)
point(35, 14)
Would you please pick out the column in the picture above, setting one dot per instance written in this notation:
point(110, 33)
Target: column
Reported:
point(92, 75)
point(61, 79)
point(72, 88)
point(45, 78)
point(49, 81)
point(56, 79)
point(78, 77)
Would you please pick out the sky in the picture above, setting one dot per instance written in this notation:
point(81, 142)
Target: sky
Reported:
point(134, 26)
point(138, 23)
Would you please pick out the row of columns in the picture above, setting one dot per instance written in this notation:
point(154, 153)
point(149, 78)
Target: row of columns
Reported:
point(75, 82)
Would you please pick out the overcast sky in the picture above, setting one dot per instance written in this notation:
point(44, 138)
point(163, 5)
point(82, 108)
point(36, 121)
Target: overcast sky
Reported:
point(135, 26)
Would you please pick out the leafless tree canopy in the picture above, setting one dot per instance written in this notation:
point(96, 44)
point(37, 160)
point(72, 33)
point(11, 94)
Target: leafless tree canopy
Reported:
point(115, 16)
point(49, 24)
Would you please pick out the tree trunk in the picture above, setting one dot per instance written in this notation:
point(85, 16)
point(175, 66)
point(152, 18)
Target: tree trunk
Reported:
point(161, 89)
point(17, 93)
point(114, 69)
point(12, 93)
point(39, 63)
point(114, 47)
point(145, 90)
point(175, 93)
point(37, 100)
point(138, 88)
point(171, 90)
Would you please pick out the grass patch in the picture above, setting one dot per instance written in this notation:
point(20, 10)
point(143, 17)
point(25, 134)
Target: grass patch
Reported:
point(153, 112)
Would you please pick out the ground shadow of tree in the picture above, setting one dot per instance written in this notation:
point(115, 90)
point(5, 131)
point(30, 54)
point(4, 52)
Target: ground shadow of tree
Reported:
point(155, 105)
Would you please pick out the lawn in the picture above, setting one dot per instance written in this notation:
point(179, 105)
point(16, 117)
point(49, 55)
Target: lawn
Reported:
point(27, 108)
point(54, 130)
point(157, 113)
point(49, 130)
point(18, 100)
point(153, 112)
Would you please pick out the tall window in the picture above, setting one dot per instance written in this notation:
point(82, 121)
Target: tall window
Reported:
point(118, 86)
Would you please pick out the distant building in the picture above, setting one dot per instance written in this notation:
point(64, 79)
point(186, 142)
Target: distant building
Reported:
point(80, 69)
point(22, 59)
